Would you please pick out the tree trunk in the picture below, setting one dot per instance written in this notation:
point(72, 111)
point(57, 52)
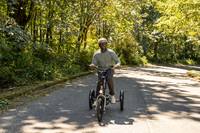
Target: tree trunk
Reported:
point(49, 35)
point(17, 9)
point(156, 51)
point(34, 27)
point(41, 33)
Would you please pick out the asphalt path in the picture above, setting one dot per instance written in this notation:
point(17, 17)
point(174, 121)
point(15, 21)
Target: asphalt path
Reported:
point(158, 99)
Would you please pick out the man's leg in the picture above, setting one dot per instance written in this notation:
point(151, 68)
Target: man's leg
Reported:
point(111, 86)
point(110, 82)
point(98, 87)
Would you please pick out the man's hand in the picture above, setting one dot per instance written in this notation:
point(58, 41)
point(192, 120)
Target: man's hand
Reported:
point(116, 66)
point(92, 66)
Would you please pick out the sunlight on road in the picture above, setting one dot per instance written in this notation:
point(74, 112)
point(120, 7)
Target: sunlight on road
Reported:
point(149, 78)
point(166, 69)
point(172, 98)
point(55, 126)
point(167, 95)
point(33, 125)
point(157, 99)
point(2, 131)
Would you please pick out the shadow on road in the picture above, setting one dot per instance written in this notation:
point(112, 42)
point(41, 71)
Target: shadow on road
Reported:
point(148, 93)
point(170, 94)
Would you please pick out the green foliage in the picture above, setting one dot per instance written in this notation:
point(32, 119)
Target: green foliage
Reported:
point(129, 51)
point(3, 103)
point(188, 62)
point(13, 46)
point(46, 55)
point(6, 76)
point(83, 59)
point(179, 23)
point(73, 69)
point(58, 38)
point(143, 60)
point(37, 69)
point(167, 30)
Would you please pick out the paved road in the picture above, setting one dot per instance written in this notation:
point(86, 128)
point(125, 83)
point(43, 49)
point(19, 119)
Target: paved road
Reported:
point(157, 100)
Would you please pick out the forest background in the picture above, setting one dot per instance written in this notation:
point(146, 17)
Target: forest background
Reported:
point(49, 39)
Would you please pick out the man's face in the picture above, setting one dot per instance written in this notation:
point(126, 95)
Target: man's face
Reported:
point(103, 45)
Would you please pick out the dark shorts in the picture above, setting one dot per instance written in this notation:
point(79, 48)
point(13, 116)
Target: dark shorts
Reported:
point(109, 74)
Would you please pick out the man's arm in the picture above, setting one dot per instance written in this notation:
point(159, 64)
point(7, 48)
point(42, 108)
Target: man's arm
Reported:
point(116, 59)
point(93, 65)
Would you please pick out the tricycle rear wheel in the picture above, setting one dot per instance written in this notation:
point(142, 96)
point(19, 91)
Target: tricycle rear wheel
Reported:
point(121, 98)
point(91, 98)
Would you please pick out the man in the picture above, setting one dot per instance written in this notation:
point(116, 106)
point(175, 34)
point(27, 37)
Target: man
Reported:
point(104, 59)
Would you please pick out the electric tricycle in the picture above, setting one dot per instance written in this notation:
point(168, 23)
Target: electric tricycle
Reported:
point(99, 99)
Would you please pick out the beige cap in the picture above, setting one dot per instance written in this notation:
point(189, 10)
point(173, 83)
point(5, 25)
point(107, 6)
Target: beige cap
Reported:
point(102, 40)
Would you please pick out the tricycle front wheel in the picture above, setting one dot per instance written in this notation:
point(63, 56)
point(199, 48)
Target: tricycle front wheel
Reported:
point(100, 109)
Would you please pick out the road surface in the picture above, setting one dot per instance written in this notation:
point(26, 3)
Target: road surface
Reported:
point(158, 99)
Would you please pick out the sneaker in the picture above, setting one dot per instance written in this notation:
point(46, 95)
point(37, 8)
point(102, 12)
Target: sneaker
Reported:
point(113, 100)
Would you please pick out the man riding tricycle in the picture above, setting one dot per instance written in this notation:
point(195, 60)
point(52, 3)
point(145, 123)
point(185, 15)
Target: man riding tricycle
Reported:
point(105, 61)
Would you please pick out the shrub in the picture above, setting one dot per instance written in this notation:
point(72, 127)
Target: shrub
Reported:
point(130, 52)
point(6, 76)
point(83, 59)
point(190, 62)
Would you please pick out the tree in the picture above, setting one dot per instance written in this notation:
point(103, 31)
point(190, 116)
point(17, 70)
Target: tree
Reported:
point(21, 11)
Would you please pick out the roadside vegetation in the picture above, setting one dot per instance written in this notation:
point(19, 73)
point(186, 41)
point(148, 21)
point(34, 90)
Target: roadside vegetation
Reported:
point(194, 74)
